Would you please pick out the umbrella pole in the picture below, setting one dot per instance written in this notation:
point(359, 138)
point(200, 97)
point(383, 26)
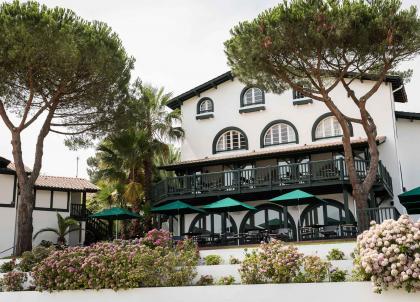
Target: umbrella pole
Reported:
point(298, 234)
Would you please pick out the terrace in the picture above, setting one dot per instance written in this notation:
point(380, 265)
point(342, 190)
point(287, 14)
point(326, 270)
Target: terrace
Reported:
point(267, 179)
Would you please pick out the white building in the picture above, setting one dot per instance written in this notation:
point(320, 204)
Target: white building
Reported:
point(65, 195)
point(244, 143)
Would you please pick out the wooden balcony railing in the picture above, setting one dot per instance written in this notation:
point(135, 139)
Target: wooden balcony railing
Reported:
point(78, 211)
point(378, 215)
point(264, 179)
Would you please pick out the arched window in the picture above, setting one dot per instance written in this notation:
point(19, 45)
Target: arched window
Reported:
point(230, 139)
point(327, 126)
point(252, 96)
point(205, 105)
point(279, 132)
point(212, 224)
point(329, 213)
point(267, 216)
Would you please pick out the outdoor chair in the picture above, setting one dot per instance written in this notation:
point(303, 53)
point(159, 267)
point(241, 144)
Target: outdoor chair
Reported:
point(253, 236)
point(283, 234)
point(307, 233)
point(329, 231)
point(348, 230)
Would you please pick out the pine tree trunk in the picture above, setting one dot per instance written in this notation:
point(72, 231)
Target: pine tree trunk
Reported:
point(24, 223)
point(361, 200)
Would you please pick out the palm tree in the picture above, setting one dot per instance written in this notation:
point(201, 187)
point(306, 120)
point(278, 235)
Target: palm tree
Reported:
point(148, 108)
point(62, 230)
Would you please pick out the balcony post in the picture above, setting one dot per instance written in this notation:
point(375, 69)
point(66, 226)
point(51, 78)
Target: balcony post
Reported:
point(341, 169)
point(239, 180)
point(310, 171)
point(270, 177)
point(195, 184)
point(346, 204)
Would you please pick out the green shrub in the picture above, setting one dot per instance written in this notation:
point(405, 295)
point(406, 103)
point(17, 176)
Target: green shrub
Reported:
point(226, 280)
point(213, 260)
point(337, 275)
point(13, 281)
point(313, 270)
point(31, 258)
point(8, 266)
point(117, 265)
point(205, 280)
point(335, 254)
point(233, 260)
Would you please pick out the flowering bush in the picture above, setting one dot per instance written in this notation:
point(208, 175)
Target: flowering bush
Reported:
point(226, 280)
point(205, 280)
point(13, 281)
point(335, 254)
point(31, 258)
point(338, 275)
point(118, 265)
point(313, 270)
point(8, 266)
point(389, 253)
point(213, 260)
point(156, 238)
point(275, 262)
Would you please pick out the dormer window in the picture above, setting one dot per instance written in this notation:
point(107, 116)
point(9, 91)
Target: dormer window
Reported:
point(205, 105)
point(230, 139)
point(252, 96)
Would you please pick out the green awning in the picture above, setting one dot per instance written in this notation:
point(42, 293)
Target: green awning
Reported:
point(228, 205)
point(115, 214)
point(176, 208)
point(296, 197)
point(411, 200)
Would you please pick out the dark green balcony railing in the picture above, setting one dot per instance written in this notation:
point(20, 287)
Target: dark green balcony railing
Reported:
point(263, 179)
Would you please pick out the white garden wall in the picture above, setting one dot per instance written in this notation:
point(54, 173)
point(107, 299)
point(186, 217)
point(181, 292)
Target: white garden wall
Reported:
point(308, 292)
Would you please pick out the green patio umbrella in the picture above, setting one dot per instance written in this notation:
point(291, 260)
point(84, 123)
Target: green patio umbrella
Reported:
point(115, 213)
point(411, 200)
point(227, 205)
point(177, 208)
point(294, 198)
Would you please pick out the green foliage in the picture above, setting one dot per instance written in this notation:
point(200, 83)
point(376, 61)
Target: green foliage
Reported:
point(8, 266)
point(226, 280)
point(233, 260)
point(50, 58)
point(313, 270)
point(30, 259)
point(297, 39)
point(337, 275)
point(13, 281)
point(62, 230)
point(205, 280)
point(213, 260)
point(335, 254)
point(117, 265)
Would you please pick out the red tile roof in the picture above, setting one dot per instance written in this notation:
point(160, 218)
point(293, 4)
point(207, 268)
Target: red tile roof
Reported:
point(269, 152)
point(65, 183)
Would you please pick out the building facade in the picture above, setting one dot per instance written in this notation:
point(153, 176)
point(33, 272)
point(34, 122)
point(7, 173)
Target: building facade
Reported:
point(64, 195)
point(245, 143)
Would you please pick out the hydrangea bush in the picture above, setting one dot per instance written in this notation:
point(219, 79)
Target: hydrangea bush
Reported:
point(118, 265)
point(313, 269)
point(13, 281)
point(389, 254)
point(157, 237)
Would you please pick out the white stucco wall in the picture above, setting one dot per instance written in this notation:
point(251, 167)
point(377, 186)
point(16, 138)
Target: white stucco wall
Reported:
point(6, 188)
point(409, 146)
point(326, 292)
point(199, 134)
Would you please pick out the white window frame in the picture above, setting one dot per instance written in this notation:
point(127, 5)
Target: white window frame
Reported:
point(328, 127)
point(206, 106)
point(249, 97)
point(227, 142)
point(278, 134)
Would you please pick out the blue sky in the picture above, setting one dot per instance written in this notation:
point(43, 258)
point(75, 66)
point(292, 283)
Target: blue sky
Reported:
point(177, 44)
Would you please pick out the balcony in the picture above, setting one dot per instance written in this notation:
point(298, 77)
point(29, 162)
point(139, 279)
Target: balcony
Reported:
point(78, 211)
point(298, 175)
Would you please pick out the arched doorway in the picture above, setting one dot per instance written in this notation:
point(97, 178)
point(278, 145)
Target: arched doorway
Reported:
point(212, 224)
point(331, 212)
point(267, 216)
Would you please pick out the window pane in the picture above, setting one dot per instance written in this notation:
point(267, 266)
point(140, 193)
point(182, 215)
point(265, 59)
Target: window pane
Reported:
point(259, 219)
point(274, 220)
point(328, 127)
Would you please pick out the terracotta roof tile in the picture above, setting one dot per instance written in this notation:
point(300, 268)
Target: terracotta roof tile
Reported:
point(271, 151)
point(65, 183)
